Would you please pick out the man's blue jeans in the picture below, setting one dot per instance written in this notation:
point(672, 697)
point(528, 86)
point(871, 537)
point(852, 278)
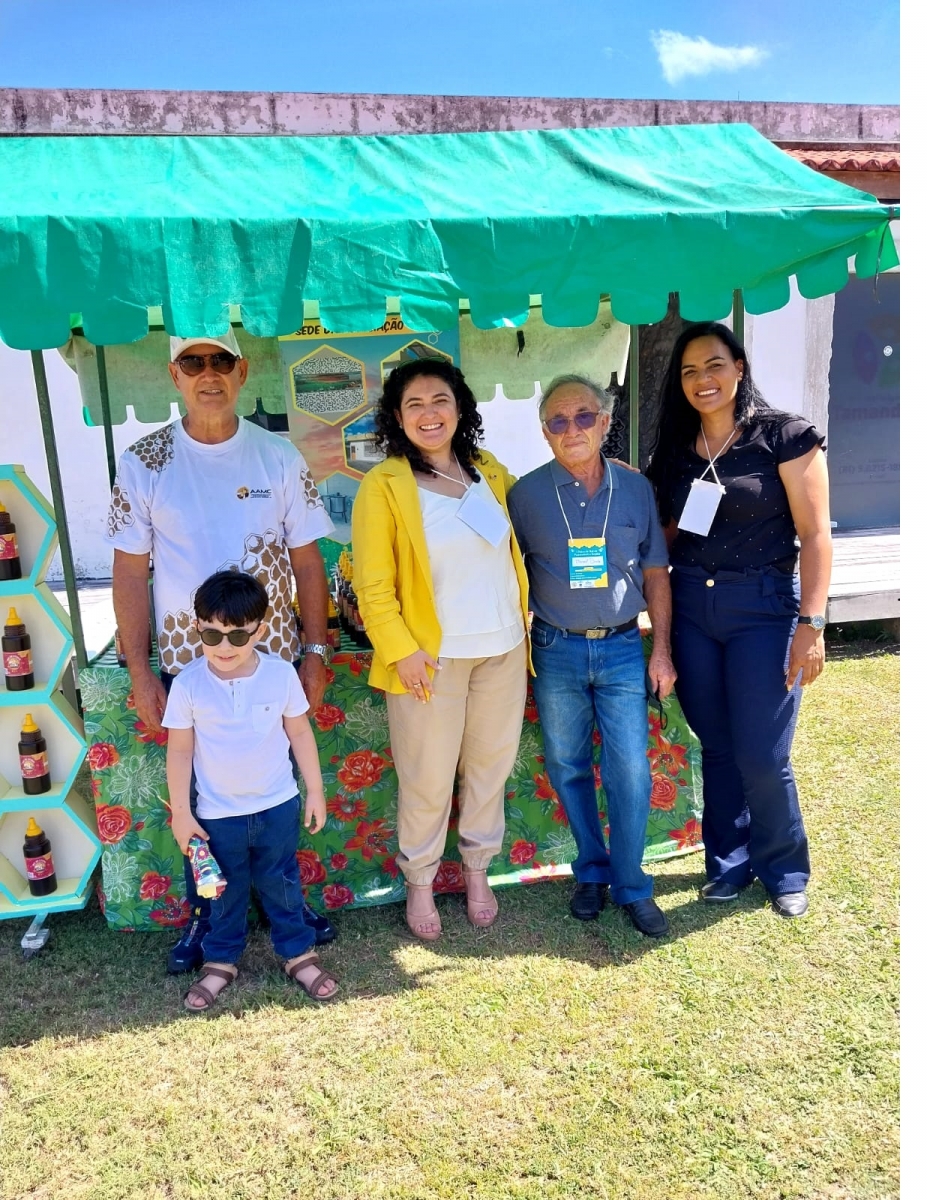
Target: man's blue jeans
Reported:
point(583, 682)
point(257, 849)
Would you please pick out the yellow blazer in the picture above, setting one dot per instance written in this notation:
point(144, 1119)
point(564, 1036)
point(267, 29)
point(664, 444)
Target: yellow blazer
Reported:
point(392, 574)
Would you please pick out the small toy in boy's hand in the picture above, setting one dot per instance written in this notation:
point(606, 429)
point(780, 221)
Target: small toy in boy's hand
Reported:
point(209, 880)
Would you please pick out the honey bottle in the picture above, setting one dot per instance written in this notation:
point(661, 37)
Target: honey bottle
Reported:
point(40, 867)
point(33, 759)
point(16, 645)
point(10, 566)
point(334, 626)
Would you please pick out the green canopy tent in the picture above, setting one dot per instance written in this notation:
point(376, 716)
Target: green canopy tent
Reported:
point(98, 231)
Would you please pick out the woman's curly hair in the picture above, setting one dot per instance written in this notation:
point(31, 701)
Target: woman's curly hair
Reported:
point(390, 436)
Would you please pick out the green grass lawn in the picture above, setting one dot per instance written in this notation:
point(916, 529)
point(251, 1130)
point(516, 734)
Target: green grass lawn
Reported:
point(744, 1056)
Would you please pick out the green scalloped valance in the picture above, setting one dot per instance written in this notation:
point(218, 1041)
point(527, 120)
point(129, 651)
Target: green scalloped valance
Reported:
point(100, 229)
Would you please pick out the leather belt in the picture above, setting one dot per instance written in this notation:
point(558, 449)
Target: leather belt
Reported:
point(604, 633)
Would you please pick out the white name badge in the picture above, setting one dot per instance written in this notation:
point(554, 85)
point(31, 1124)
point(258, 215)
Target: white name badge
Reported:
point(587, 561)
point(488, 520)
point(701, 506)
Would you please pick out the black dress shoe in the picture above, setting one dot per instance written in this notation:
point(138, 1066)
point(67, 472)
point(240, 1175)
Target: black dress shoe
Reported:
point(324, 930)
point(187, 953)
point(718, 892)
point(792, 904)
point(588, 900)
point(647, 917)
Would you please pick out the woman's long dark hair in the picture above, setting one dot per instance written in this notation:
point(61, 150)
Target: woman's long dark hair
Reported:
point(467, 435)
point(679, 423)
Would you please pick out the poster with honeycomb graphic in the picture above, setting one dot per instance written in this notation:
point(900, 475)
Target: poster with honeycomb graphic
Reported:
point(333, 383)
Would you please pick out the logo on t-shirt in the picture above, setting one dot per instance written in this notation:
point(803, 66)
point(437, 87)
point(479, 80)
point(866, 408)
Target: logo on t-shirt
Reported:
point(245, 493)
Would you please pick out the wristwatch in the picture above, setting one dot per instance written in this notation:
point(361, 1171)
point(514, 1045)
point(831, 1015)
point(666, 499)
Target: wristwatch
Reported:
point(324, 652)
point(815, 622)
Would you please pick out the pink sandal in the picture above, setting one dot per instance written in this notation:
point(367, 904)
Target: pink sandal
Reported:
point(482, 908)
point(418, 922)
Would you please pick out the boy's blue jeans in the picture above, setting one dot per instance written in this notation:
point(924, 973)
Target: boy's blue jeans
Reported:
point(257, 849)
point(580, 682)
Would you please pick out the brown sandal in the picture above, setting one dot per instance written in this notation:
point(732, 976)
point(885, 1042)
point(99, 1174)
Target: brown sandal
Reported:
point(216, 970)
point(323, 977)
point(481, 911)
point(418, 921)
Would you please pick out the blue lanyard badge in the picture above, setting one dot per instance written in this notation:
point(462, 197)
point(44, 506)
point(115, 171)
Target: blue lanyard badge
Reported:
point(586, 557)
point(588, 565)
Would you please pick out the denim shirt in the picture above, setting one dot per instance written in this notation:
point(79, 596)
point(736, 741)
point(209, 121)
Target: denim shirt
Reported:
point(633, 540)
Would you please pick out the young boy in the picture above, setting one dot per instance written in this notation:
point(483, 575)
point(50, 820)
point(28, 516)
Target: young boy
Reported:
point(233, 715)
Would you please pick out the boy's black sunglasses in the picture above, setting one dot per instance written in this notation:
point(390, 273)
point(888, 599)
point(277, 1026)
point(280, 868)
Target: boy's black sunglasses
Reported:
point(236, 637)
point(195, 364)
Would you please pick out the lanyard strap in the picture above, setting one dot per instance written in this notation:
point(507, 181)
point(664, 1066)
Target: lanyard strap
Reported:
point(461, 480)
point(712, 461)
point(607, 507)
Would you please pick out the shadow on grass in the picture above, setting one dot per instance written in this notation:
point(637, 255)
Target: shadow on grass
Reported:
point(90, 981)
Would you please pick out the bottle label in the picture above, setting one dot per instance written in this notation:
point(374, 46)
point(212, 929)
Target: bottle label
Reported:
point(17, 662)
point(41, 867)
point(8, 546)
point(33, 766)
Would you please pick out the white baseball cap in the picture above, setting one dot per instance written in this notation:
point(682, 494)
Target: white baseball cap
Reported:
point(227, 341)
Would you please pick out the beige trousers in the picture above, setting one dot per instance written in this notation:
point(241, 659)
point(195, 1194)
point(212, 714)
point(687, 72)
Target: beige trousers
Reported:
point(471, 726)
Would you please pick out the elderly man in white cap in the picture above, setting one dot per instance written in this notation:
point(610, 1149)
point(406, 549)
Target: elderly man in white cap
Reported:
point(206, 493)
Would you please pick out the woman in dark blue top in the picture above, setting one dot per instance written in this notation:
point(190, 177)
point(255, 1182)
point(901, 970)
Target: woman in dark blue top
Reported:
point(739, 487)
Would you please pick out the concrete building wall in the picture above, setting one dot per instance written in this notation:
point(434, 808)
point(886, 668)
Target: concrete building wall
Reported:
point(32, 111)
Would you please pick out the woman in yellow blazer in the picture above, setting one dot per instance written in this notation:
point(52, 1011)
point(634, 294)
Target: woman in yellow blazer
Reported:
point(444, 597)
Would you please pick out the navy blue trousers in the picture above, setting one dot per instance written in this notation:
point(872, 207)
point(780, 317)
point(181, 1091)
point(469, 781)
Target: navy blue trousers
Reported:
point(731, 639)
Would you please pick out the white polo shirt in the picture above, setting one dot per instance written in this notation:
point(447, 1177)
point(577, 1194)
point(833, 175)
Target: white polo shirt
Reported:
point(198, 508)
point(240, 750)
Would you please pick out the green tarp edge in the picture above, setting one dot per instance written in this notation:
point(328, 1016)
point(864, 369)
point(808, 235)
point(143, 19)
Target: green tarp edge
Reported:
point(103, 228)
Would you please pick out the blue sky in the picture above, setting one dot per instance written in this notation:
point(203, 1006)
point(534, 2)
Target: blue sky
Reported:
point(839, 51)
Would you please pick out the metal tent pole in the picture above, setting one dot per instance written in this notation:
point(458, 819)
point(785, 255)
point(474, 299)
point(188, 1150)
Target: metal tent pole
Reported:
point(107, 415)
point(634, 397)
point(54, 476)
point(738, 322)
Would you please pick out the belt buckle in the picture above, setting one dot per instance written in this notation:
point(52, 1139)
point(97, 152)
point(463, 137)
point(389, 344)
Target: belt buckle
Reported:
point(596, 633)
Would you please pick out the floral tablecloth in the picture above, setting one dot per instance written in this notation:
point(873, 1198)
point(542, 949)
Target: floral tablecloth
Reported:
point(352, 861)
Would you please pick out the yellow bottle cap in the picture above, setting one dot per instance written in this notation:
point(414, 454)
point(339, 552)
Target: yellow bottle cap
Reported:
point(33, 830)
point(13, 617)
point(29, 726)
point(2, 509)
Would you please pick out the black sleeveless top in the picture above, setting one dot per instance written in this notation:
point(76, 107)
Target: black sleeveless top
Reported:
point(753, 527)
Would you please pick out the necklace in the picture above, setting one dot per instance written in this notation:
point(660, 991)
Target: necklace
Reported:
point(461, 481)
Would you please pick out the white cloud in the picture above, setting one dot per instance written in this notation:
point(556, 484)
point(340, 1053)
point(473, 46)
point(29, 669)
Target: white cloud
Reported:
point(681, 56)
point(608, 51)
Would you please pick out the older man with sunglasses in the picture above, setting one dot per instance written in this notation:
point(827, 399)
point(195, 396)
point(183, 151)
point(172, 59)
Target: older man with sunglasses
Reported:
point(206, 493)
point(596, 558)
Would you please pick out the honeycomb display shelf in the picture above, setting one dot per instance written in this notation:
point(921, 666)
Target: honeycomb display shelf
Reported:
point(63, 812)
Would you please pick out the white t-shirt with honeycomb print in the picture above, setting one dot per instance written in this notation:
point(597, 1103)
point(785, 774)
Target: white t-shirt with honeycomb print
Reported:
point(198, 509)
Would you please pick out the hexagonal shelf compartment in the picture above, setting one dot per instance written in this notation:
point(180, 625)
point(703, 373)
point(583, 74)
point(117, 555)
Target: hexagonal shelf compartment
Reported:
point(75, 850)
point(35, 527)
point(49, 628)
point(62, 729)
